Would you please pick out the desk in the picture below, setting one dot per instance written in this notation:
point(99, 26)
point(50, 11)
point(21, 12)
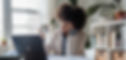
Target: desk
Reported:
point(89, 56)
point(66, 58)
point(48, 58)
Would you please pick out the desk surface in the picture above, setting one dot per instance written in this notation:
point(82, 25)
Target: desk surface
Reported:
point(51, 58)
point(66, 58)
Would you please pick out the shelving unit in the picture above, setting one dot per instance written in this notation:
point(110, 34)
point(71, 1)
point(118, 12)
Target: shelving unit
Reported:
point(109, 42)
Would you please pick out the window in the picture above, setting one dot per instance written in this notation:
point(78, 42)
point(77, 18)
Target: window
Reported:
point(1, 19)
point(28, 15)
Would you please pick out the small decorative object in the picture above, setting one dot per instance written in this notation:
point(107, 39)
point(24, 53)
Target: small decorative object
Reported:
point(4, 42)
point(54, 23)
point(119, 55)
point(120, 15)
point(88, 43)
point(102, 55)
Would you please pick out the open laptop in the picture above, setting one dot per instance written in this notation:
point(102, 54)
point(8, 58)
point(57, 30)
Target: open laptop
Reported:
point(30, 46)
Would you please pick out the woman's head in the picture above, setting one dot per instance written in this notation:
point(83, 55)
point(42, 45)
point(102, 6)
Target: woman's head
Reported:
point(72, 17)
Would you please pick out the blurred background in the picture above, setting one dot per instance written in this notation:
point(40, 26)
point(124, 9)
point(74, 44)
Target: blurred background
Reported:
point(105, 28)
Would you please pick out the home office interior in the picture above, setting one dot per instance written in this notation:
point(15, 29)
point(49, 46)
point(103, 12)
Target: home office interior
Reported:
point(62, 29)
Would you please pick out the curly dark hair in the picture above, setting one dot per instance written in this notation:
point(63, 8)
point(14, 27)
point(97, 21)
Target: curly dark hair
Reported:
point(73, 14)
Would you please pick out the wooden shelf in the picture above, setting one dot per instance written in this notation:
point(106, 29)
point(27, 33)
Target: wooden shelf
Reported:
point(96, 27)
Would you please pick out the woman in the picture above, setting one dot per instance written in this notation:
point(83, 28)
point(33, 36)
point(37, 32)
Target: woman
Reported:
point(70, 39)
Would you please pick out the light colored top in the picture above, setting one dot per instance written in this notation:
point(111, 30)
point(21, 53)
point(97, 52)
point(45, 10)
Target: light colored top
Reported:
point(74, 46)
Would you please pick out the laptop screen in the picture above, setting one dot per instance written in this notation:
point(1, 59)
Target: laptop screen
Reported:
point(28, 43)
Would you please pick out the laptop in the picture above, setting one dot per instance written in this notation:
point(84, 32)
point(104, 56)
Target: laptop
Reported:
point(30, 46)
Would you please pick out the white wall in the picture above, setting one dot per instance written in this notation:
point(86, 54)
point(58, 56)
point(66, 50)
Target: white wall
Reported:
point(1, 17)
point(53, 5)
point(87, 3)
point(1, 20)
point(123, 5)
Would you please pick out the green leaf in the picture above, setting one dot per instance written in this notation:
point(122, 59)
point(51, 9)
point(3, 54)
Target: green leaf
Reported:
point(74, 2)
